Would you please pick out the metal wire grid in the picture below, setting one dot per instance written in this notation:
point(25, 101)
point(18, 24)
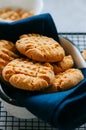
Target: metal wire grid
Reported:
point(79, 39)
point(8, 122)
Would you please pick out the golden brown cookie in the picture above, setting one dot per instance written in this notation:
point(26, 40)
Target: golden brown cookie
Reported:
point(7, 53)
point(8, 45)
point(67, 79)
point(84, 54)
point(40, 48)
point(14, 14)
point(28, 75)
point(63, 65)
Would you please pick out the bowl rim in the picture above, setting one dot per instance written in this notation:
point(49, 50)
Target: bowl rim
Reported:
point(36, 10)
point(13, 101)
point(8, 99)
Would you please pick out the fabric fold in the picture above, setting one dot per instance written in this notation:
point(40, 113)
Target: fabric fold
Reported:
point(63, 110)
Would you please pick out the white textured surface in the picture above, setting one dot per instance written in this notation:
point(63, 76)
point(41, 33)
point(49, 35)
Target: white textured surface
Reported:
point(69, 15)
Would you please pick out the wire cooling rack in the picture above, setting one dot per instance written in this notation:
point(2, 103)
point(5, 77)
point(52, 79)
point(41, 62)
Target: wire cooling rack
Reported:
point(8, 122)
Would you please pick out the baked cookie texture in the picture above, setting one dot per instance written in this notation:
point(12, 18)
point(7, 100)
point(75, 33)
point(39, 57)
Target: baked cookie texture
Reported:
point(44, 68)
point(40, 48)
point(8, 52)
point(66, 63)
point(67, 79)
point(28, 75)
point(84, 54)
point(14, 14)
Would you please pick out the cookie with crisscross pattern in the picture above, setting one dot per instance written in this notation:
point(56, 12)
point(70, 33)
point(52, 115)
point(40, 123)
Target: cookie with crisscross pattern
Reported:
point(28, 75)
point(8, 53)
point(40, 48)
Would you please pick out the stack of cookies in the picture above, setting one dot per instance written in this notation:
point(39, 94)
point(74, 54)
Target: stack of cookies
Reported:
point(8, 53)
point(14, 14)
point(41, 65)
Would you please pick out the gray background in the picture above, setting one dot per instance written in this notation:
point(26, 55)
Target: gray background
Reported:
point(69, 15)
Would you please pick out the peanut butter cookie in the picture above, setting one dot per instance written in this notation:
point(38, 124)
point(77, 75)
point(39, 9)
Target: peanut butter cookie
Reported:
point(40, 48)
point(63, 65)
point(7, 53)
point(67, 79)
point(14, 14)
point(28, 75)
point(84, 54)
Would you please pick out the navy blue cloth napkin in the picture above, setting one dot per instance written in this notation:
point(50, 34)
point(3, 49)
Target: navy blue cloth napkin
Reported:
point(42, 24)
point(64, 110)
